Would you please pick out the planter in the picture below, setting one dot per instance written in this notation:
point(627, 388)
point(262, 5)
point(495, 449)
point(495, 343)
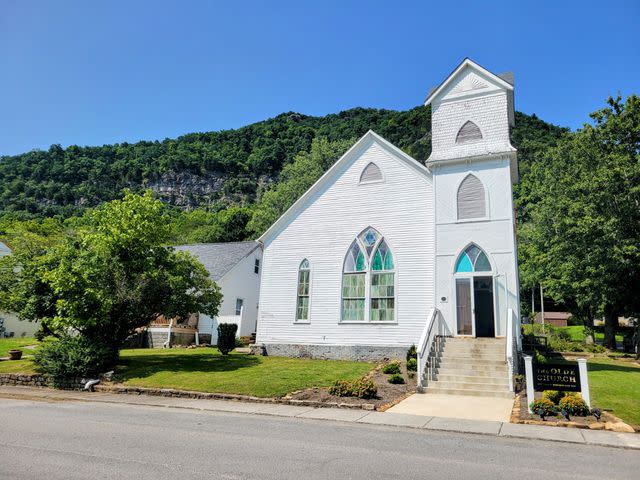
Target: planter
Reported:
point(15, 354)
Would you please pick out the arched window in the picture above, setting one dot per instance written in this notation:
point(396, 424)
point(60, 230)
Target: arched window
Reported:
point(304, 277)
point(369, 263)
point(371, 173)
point(469, 132)
point(471, 200)
point(473, 259)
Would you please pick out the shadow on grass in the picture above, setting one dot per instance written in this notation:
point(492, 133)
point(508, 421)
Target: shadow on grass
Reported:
point(147, 365)
point(601, 367)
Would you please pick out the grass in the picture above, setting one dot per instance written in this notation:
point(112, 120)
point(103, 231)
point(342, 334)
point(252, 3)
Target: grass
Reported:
point(206, 370)
point(17, 366)
point(577, 334)
point(615, 386)
point(7, 344)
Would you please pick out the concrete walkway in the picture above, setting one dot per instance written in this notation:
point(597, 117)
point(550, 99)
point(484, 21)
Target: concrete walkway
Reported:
point(494, 428)
point(456, 406)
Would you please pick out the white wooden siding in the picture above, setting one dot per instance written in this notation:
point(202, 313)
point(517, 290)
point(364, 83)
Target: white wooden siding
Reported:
point(400, 208)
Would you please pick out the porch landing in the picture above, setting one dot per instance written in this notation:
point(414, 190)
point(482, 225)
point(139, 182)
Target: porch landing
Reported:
point(456, 406)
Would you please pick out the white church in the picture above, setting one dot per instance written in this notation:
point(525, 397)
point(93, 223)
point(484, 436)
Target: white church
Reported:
point(384, 252)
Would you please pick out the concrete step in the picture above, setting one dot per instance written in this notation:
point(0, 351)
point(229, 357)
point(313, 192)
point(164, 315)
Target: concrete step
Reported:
point(478, 385)
point(474, 348)
point(433, 388)
point(497, 380)
point(473, 341)
point(460, 361)
point(475, 371)
point(471, 357)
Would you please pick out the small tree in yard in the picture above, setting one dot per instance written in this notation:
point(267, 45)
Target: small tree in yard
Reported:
point(107, 278)
point(227, 337)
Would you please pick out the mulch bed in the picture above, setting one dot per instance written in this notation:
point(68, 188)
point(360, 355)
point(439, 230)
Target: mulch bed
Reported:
point(521, 414)
point(388, 394)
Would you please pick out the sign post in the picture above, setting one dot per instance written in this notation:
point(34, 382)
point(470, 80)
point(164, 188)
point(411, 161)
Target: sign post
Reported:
point(528, 370)
point(584, 381)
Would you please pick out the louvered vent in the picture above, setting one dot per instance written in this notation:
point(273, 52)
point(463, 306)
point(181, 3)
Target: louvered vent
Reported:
point(371, 173)
point(469, 132)
point(471, 201)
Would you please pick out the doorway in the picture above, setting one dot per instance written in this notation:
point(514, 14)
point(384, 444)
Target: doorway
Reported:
point(474, 306)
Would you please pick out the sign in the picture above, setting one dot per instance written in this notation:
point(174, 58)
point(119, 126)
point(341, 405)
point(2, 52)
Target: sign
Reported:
point(549, 376)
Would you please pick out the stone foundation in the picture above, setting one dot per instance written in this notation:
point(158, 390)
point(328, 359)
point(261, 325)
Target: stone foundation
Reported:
point(331, 352)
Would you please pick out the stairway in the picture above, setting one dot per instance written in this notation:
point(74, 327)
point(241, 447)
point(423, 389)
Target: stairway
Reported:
point(470, 366)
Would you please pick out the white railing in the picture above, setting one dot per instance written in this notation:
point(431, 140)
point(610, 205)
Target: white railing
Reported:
point(429, 344)
point(509, 357)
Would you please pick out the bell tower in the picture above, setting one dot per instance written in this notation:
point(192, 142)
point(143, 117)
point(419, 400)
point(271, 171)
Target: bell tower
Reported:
point(474, 167)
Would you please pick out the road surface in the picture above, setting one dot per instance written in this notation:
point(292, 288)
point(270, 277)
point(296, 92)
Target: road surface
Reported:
point(78, 440)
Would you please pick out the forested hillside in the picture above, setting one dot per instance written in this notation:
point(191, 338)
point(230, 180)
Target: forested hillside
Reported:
point(230, 184)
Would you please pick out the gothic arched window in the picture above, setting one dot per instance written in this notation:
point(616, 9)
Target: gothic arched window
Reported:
point(368, 279)
point(471, 199)
point(371, 173)
point(304, 283)
point(472, 260)
point(469, 132)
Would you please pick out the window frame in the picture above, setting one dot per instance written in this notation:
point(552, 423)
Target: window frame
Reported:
point(368, 275)
point(237, 314)
point(256, 266)
point(297, 295)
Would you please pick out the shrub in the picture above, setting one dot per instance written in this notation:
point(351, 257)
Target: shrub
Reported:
point(412, 365)
point(227, 337)
point(539, 357)
point(554, 395)
point(543, 407)
point(573, 404)
point(391, 368)
point(360, 388)
point(412, 353)
point(396, 378)
point(73, 356)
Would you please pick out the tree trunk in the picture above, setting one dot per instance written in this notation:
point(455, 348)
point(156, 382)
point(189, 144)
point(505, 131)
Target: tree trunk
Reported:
point(589, 337)
point(610, 324)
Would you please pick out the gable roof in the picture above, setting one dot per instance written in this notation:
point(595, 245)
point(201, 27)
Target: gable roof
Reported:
point(219, 258)
point(467, 62)
point(365, 141)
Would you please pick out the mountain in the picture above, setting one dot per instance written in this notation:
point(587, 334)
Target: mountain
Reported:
point(213, 170)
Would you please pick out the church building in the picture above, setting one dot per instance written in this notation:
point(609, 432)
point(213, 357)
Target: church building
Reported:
point(382, 244)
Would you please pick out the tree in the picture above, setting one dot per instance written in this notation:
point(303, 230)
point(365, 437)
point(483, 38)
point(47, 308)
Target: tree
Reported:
point(110, 276)
point(583, 240)
point(296, 178)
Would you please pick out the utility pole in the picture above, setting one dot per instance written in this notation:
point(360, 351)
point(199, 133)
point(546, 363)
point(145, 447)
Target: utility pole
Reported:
point(533, 305)
point(542, 307)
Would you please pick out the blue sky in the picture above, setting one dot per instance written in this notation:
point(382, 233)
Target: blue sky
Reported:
point(91, 73)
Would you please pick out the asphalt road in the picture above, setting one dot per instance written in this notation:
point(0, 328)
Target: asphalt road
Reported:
point(76, 440)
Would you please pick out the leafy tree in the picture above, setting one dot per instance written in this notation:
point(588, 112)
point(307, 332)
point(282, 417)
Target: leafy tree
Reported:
point(582, 242)
point(109, 277)
point(296, 179)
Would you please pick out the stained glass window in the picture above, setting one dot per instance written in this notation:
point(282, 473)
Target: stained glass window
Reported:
point(304, 277)
point(473, 260)
point(368, 277)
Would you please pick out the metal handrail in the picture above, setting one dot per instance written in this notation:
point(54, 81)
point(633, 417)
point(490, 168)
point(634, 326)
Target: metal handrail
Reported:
point(509, 346)
point(425, 346)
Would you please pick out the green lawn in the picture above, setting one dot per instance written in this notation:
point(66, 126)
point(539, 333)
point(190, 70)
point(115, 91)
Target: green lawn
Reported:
point(615, 386)
point(7, 344)
point(17, 366)
point(577, 334)
point(205, 370)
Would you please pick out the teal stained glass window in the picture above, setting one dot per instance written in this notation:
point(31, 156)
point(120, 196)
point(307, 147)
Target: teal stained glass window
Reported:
point(368, 278)
point(473, 260)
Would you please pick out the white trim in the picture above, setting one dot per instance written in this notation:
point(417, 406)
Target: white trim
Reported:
point(467, 62)
point(367, 140)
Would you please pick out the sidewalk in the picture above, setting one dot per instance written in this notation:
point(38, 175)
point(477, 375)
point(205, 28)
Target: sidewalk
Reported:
point(494, 428)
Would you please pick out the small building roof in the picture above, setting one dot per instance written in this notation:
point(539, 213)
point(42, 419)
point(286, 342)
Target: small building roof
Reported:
point(219, 258)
